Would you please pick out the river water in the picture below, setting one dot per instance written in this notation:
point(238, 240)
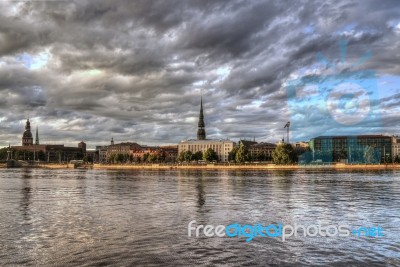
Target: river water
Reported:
point(140, 218)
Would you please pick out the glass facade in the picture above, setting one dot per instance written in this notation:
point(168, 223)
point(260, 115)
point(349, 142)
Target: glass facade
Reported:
point(352, 149)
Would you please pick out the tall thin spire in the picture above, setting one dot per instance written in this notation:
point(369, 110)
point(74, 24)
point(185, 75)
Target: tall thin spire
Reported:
point(201, 132)
point(37, 136)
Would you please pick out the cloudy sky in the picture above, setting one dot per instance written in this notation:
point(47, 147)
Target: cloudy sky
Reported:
point(135, 70)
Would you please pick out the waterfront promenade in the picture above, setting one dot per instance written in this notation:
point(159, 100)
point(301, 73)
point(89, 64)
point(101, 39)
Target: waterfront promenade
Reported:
point(248, 166)
point(218, 166)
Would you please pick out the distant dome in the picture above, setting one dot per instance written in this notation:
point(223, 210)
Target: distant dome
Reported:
point(27, 134)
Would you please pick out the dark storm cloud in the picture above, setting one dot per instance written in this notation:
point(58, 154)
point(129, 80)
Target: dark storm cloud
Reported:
point(135, 70)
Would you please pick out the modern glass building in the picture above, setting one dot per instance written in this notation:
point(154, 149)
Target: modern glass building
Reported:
point(352, 149)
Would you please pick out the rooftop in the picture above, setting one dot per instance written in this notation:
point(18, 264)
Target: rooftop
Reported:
point(353, 136)
point(193, 141)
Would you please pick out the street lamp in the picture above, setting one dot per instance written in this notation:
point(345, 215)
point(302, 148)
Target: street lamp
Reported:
point(9, 155)
point(287, 125)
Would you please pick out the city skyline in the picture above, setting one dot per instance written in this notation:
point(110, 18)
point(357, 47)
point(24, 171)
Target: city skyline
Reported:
point(136, 71)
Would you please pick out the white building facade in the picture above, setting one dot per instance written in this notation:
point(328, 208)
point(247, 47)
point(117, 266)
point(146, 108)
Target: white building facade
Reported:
point(395, 147)
point(221, 147)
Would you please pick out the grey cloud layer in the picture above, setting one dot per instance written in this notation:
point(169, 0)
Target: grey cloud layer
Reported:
point(135, 70)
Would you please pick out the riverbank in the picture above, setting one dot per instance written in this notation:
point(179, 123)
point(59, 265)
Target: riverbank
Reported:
point(55, 166)
point(248, 167)
point(64, 166)
point(41, 166)
point(215, 166)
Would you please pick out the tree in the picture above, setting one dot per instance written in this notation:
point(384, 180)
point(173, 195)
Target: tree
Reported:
point(17, 155)
point(242, 154)
point(397, 159)
point(152, 158)
point(283, 154)
point(188, 156)
point(185, 156)
point(85, 159)
point(161, 156)
point(146, 157)
point(232, 154)
point(3, 153)
point(181, 157)
point(111, 158)
point(198, 156)
point(210, 155)
point(119, 158)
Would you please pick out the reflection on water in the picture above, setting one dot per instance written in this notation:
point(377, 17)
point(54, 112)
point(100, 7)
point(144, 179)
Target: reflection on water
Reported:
point(93, 217)
point(26, 191)
point(200, 191)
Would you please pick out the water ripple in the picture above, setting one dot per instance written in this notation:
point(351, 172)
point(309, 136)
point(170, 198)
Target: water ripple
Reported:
point(140, 218)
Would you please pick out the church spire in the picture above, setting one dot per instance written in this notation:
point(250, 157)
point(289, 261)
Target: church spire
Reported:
point(27, 138)
point(37, 136)
point(201, 132)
